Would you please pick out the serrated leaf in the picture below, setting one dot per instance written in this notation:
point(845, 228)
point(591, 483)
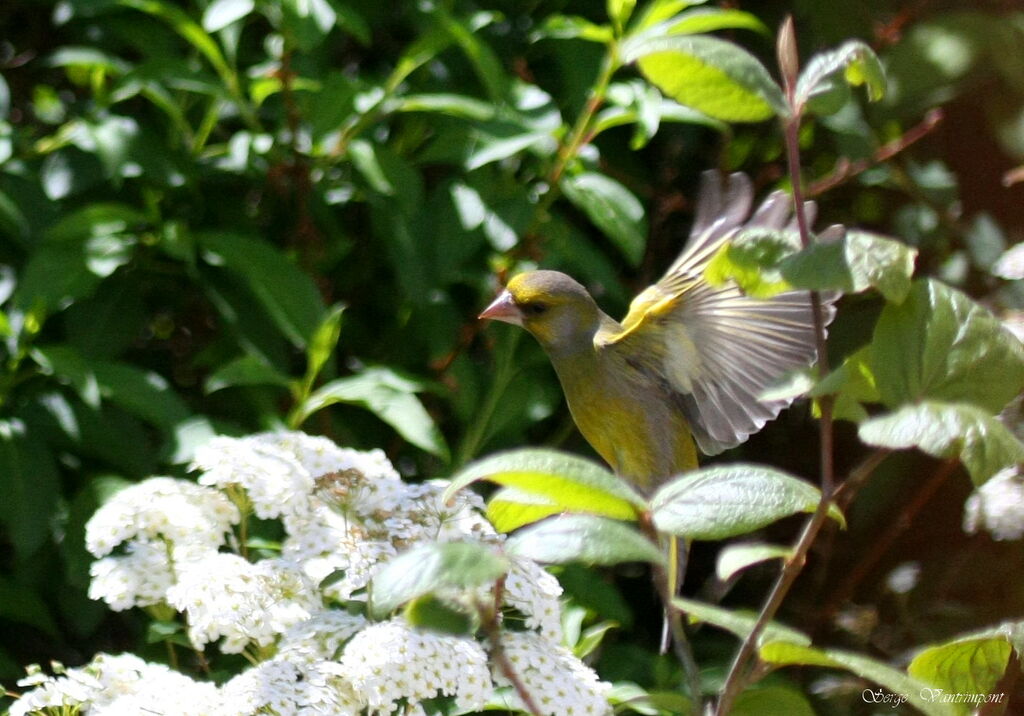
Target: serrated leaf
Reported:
point(569, 482)
point(713, 76)
point(719, 502)
point(612, 208)
point(583, 538)
point(898, 684)
point(854, 263)
point(970, 664)
point(389, 396)
point(431, 567)
point(940, 345)
point(857, 61)
point(735, 558)
point(948, 430)
point(739, 623)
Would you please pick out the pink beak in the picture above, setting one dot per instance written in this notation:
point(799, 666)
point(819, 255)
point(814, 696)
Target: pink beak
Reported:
point(503, 308)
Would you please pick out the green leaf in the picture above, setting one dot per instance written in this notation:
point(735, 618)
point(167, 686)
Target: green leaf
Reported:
point(325, 340)
point(709, 19)
point(246, 370)
point(970, 664)
point(569, 482)
point(857, 61)
point(429, 612)
point(948, 430)
point(612, 208)
point(307, 22)
point(739, 623)
point(583, 538)
point(751, 260)
point(21, 604)
point(713, 76)
point(286, 292)
point(389, 396)
point(432, 567)
point(221, 13)
point(140, 392)
point(30, 487)
point(737, 557)
point(853, 383)
point(619, 12)
point(509, 509)
point(453, 105)
point(940, 345)
point(572, 27)
point(900, 687)
point(854, 263)
point(771, 701)
point(718, 502)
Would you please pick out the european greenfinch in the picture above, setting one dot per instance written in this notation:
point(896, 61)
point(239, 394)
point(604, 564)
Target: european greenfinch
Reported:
point(690, 360)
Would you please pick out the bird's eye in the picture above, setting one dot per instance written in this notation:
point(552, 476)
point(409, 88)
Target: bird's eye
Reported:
point(534, 308)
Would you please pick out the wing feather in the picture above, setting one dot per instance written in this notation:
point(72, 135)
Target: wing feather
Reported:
point(712, 348)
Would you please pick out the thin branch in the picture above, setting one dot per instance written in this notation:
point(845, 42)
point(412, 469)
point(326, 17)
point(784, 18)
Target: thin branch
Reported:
point(846, 169)
point(489, 619)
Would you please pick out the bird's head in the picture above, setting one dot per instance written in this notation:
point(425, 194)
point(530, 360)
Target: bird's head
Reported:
point(554, 308)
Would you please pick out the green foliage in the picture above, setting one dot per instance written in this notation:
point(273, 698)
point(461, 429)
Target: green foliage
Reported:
point(190, 191)
point(720, 502)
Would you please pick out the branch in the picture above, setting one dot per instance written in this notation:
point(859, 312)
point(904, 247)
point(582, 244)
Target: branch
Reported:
point(846, 169)
point(491, 625)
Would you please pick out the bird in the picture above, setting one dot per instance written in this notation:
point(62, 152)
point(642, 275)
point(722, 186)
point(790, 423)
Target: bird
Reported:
point(685, 370)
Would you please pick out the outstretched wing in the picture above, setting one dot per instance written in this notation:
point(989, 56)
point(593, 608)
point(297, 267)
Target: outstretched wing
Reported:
point(712, 348)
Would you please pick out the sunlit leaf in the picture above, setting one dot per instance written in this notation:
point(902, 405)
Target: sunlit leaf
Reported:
point(734, 558)
point(739, 623)
point(389, 396)
point(431, 567)
point(713, 76)
point(718, 502)
point(583, 538)
point(948, 430)
point(570, 482)
point(856, 60)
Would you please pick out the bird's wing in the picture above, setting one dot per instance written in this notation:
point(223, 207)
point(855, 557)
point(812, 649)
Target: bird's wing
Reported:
point(712, 348)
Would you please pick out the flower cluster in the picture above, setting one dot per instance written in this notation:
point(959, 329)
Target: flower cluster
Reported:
point(997, 506)
point(168, 543)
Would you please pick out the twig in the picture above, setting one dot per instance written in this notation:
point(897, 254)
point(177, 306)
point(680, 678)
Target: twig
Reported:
point(846, 169)
point(489, 618)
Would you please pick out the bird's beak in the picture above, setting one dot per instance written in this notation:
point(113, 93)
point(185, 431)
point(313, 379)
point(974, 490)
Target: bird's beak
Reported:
point(503, 308)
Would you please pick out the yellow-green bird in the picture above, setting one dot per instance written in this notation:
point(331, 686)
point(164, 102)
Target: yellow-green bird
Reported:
point(689, 361)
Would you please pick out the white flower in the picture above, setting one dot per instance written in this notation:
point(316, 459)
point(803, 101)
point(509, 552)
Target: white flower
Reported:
point(286, 688)
point(140, 577)
point(274, 481)
point(997, 506)
point(161, 507)
point(320, 637)
point(223, 595)
point(123, 684)
point(535, 592)
point(558, 682)
point(389, 661)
